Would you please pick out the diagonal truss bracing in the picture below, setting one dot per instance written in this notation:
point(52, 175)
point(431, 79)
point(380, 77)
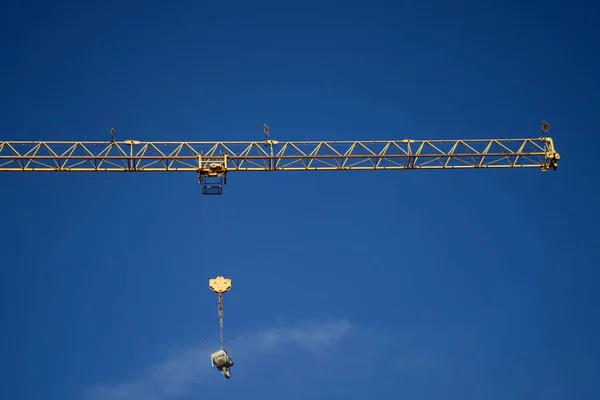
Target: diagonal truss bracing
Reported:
point(280, 156)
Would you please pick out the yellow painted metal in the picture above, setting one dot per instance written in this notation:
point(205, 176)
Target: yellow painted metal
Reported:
point(218, 158)
point(219, 284)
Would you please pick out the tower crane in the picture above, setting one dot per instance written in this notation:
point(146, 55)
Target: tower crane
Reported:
point(213, 161)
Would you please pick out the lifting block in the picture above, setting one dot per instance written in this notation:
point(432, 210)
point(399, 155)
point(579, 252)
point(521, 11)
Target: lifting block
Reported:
point(219, 284)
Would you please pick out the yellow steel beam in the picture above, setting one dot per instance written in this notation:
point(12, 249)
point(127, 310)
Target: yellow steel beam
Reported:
point(133, 155)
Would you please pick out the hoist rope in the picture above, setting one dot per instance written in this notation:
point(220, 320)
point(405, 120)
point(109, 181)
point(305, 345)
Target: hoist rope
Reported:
point(226, 226)
point(204, 226)
point(226, 268)
point(225, 265)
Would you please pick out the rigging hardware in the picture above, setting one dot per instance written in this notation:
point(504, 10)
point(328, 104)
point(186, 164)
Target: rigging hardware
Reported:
point(220, 359)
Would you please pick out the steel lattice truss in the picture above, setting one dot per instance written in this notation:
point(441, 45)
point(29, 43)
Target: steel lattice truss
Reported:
point(280, 156)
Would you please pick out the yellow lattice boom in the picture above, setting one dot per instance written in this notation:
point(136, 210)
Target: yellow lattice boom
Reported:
point(218, 158)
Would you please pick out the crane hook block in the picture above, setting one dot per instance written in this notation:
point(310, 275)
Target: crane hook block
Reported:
point(219, 284)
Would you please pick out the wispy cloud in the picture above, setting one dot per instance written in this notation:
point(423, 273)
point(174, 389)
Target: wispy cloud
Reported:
point(307, 335)
point(177, 375)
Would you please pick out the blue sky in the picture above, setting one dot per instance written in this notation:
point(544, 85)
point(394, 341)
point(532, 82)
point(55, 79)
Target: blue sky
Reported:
point(415, 285)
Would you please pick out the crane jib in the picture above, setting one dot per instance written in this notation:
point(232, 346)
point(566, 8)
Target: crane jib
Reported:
point(213, 161)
